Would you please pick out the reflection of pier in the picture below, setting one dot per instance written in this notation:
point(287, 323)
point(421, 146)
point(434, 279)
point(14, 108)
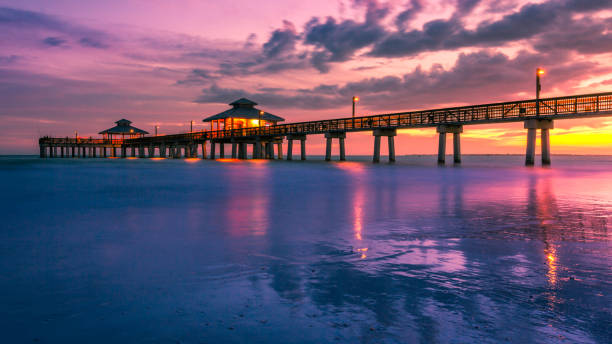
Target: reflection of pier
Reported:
point(240, 127)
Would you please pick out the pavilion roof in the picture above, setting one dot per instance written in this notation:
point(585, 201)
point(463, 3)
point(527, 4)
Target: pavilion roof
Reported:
point(244, 108)
point(123, 127)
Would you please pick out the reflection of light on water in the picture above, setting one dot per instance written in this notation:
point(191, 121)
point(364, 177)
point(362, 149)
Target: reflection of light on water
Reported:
point(228, 160)
point(551, 262)
point(132, 158)
point(350, 166)
point(156, 159)
point(358, 200)
point(191, 160)
point(363, 251)
point(356, 169)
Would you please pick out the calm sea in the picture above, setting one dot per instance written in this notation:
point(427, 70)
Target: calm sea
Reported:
point(192, 251)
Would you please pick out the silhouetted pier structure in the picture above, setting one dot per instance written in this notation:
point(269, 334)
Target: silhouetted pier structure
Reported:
point(535, 115)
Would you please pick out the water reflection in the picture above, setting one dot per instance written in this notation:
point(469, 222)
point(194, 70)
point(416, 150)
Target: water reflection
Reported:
point(311, 252)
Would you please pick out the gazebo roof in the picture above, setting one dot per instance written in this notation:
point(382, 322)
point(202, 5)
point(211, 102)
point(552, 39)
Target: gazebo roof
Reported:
point(123, 127)
point(244, 108)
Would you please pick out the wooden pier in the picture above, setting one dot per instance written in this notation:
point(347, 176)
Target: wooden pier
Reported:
point(536, 115)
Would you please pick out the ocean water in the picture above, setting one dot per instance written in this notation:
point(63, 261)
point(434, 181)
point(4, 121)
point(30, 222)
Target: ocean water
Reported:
point(192, 251)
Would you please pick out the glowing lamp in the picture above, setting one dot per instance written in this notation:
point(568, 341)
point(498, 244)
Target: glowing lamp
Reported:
point(540, 71)
point(355, 99)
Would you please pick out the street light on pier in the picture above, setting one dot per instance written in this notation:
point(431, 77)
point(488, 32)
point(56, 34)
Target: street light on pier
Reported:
point(156, 127)
point(539, 72)
point(355, 100)
point(261, 113)
point(191, 127)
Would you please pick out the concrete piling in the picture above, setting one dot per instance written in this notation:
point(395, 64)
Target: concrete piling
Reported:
point(390, 134)
point(329, 136)
point(456, 130)
point(532, 125)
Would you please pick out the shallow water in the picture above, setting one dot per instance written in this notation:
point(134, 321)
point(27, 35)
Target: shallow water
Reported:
point(167, 251)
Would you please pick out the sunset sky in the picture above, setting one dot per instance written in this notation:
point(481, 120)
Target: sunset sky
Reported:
point(69, 65)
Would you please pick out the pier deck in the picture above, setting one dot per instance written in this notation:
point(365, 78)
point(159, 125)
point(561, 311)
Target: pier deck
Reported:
point(536, 115)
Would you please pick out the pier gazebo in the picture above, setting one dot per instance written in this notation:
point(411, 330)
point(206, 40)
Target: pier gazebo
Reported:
point(123, 129)
point(243, 114)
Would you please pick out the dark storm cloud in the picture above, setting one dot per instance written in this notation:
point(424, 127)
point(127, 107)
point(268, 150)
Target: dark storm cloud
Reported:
point(272, 98)
point(405, 16)
point(528, 22)
point(572, 37)
point(338, 41)
point(281, 42)
point(8, 59)
point(22, 18)
point(477, 77)
point(90, 42)
point(197, 76)
point(54, 41)
point(22, 25)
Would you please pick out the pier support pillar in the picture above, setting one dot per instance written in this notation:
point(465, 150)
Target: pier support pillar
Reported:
point(257, 149)
point(290, 139)
point(221, 150)
point(123, 151)
point(43, 153)
point(340, 135)
point(212, 150)
point(204, 156)
point(390, 134)
point(269, 149)
point(532, 125)
point(279, 150)
point(234, 150)
point(73, 153)
point(162, 150)
point(93, 151)
point(242, 150)
point(151, 151)
point(62, 151)
point(457, 148)
point(114, 152)
point(442, 130)
point(289, 149)
point(391, 145)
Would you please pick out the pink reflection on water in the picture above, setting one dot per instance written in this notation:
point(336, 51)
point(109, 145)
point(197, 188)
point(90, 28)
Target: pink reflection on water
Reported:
point(356, 170)
point(248, 206)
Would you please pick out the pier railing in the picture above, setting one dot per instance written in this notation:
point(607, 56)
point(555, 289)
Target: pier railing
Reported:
point(80, 141)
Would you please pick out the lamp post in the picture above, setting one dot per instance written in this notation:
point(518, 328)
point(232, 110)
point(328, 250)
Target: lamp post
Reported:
point(261, 113)
point(355, 100)
point(191, 126)
point(156, 127)
point(539, 71)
